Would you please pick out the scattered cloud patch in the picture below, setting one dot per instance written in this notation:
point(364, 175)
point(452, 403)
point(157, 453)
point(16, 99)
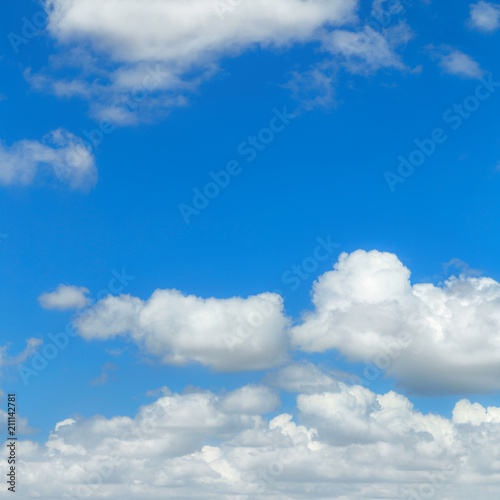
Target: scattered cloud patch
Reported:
point(369, 50)
point(32, 346)
point(182, 47)
point(455, 62)
point(65, 297)
point(485, 16)
point(59, 154)
point(104, 377)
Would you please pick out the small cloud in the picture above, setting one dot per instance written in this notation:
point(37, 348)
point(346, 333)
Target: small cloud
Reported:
point(484, 16)
point(162, 391)
point(101, 379)
point(313, 88)
point(459, 265)
point(66, 297)
point(104, 378)
point(32, 345)
point(68, 421)
point(455, 62)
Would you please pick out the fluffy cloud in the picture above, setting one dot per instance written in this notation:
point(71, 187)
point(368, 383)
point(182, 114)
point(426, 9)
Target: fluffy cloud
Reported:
point(455, 62)
point(59, 154)
point(485, 16)
point(351, 444)
point(225, 334)
point(64, 298)
point(434, 339)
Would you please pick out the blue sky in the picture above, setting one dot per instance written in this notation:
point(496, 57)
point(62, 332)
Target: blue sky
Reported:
point(358, 105)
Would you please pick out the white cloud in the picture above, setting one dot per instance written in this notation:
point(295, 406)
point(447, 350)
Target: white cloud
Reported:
point(59, 154)
point(225, 334)
point(485, 16)
point(66, 297)
point(250, 400)
point(183, 44)
point(302, 377)
point(352, 444)
point(456, 63)
point(433, 339)
point(474, 413)
point(192, 31)
point(313, 88)
point(369, 50)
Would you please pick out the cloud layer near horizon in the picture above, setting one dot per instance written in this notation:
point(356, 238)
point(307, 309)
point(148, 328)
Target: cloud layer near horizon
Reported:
point(347, 443)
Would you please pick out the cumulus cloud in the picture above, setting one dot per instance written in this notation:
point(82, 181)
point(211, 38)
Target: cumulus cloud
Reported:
point(433, 339)
point(455, 62)
point(485, 16)
point(349, 444)
point(225, 334)
point(59, 154)
point(66, 297)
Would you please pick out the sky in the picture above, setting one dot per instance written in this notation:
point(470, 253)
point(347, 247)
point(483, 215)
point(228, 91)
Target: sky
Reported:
point(249, 249)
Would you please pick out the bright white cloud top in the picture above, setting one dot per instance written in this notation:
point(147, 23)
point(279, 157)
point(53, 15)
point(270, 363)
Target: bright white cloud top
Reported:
point(433, 339)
